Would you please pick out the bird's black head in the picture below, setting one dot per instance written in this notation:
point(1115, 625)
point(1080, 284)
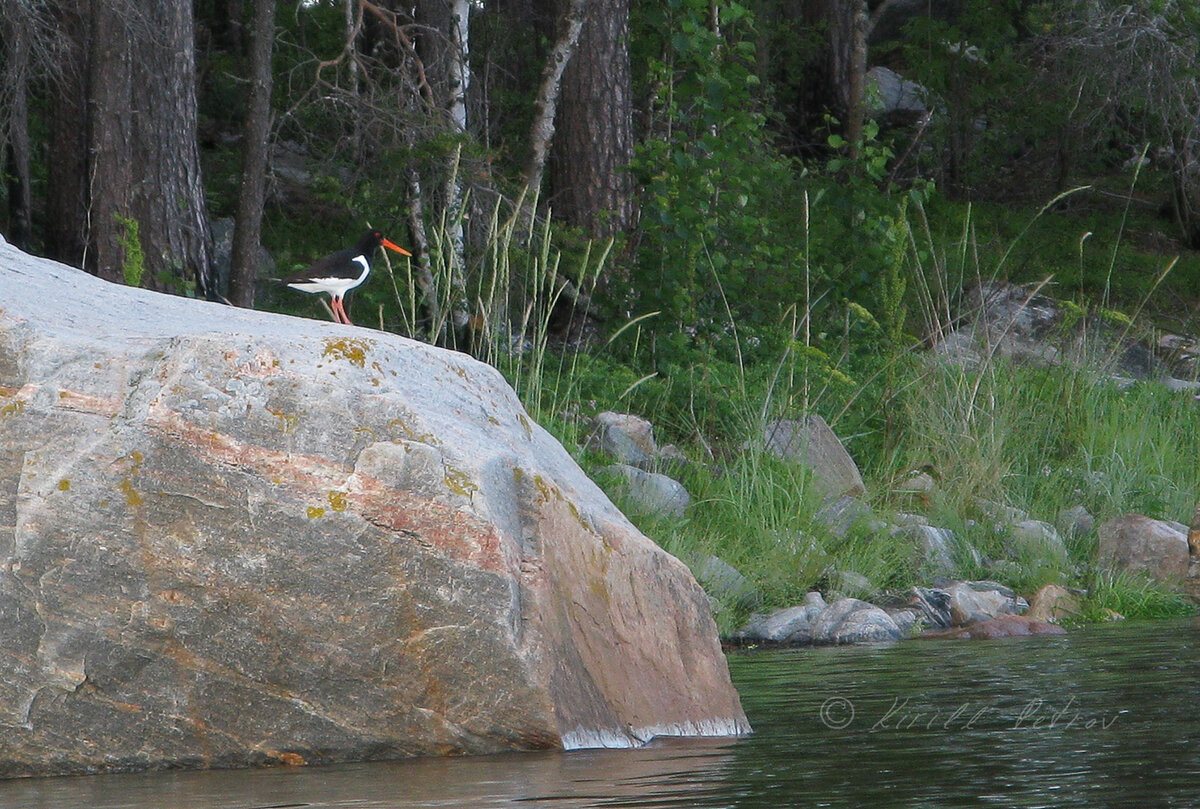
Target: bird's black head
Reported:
point(375, 238)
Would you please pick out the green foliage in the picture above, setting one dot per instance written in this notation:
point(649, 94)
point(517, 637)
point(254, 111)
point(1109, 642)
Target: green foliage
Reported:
point(135, 260)
point(720, 204)
point(759, 513)
point(1046, 439)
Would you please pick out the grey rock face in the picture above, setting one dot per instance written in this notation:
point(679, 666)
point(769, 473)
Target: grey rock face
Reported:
point(628, 438)
point(810, 442)
point(652, 493)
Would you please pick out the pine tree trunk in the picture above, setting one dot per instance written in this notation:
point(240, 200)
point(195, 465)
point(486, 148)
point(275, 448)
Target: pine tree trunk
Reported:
point(247, 233)
point(66, 173)
point(124, 144)
point(169, 199)
point(594, 144)
point(111, 145)
point(15, 31)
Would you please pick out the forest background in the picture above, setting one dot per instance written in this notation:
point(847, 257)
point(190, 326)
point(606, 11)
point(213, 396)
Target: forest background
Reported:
point(696, 210)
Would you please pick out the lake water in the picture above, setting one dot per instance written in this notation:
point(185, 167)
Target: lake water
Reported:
point(1103, 717)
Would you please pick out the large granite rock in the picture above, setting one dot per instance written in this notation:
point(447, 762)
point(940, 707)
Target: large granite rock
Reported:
point(230, 537)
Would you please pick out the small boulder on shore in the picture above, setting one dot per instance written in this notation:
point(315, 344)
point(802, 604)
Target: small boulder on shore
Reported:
point(976, 601)
point(790, 625)
point(850, 620)
point(811, 443)
point(628, 438)
point(1053, 603)
point(1137, 544)
point(651, 493)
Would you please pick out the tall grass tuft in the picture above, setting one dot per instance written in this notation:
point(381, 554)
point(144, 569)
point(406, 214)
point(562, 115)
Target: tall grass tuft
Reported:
point(503, 303)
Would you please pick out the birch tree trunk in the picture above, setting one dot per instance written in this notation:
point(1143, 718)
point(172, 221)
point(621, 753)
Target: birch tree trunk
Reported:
point(425, 280)
point(445, 53)
point(545, 107)
point(460, 80)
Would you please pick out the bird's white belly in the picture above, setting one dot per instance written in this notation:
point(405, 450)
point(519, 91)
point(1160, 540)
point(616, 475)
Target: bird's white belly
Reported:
point(333, 285)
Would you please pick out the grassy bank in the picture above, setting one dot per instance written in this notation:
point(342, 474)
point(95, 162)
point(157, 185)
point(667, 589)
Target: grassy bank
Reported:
point(1040, 440)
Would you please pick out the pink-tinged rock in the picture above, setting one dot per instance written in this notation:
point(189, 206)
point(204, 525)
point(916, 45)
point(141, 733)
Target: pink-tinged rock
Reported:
point(1004, 626)
point(976, 602)
point(1054, 602)
point(1137, 544)
point(230, 537)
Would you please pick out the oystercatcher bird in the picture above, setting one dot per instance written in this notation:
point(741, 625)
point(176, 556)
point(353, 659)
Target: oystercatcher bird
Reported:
point(340, 272)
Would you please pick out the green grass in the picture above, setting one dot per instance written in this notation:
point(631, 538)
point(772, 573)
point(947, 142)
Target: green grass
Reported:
point(1133, 597)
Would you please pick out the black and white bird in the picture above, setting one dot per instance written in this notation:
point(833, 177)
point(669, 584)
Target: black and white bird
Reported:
point(340, 272)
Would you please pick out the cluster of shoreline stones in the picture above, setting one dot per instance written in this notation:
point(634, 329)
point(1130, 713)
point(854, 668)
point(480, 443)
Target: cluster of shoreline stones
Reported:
point(948, 608)
point(1008, 321)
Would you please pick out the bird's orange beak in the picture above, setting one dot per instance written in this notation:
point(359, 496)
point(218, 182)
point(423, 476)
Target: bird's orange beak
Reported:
point(396, 247)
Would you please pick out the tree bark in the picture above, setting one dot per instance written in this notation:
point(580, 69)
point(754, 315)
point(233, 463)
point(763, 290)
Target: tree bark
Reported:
point(247, 232)
point(16, 29)
point(125, 146)
point(845, 61)
point(445, 52)
point(593, 188)
point(170, 193)
point(111, 142)
point(67, 172)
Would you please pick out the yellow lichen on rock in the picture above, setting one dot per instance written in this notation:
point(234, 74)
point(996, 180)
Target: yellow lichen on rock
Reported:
point(459, 483)
point(348, 348)
point(337, 501)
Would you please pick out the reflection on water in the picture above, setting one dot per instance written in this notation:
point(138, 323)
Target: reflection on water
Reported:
point(666, 774)
point(1102, 717)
